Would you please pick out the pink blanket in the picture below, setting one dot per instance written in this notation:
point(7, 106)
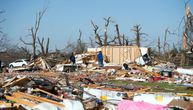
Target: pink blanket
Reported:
point(130, 105)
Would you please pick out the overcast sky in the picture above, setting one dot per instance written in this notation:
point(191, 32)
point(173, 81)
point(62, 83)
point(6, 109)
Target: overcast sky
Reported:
point(64, 18)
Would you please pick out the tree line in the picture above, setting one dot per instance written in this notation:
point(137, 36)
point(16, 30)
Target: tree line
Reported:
point(100, 39)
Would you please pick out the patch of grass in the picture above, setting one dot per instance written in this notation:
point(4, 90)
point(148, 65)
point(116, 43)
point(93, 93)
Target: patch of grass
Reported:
point(157, 86)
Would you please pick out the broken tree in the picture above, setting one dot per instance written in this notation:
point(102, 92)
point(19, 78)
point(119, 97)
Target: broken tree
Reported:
point(34, 31)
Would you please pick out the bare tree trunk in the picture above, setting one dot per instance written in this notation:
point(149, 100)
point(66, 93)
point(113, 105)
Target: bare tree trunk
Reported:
point(44, 51)
point(106, 30)
point(137, 30)
point(80, 45)
point(185, 37)
point(127, 42)
point(118, 34)
point(185, 34)
point(41, 43)
point(123, 40)
point(138, 37)
point(158, 46)
point(165, 41)
point(33, 42)
point(47, 45)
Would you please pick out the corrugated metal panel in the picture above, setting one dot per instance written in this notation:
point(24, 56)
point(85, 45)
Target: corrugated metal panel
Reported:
point(119, 54)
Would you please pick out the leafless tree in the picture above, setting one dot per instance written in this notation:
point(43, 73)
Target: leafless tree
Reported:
point(103, 40)
point(118, 34)
point(3, 37)
point(166, 45)
point(80, 45)
point(4, 42)
point(16, 52)
point(138, 34)
point(187, 35)
point(34, 31)
point(97, 36)
point(91, 42)
point(80, 39)
point(41, 43)
point(25, 52)
point(159, 46)
point(127, 42)
point(47, 45)
point(108, 20)
point(123, 40)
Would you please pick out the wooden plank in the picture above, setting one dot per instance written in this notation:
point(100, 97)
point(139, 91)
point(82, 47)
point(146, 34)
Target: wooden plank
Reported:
point(143, 90)
point(131, 94)
point(21, 68)
point(36, 98)
point(9, 104)
point(20, 101)
point(145, 71)
point(20, 81)
point(8, 83)
point(118, 54)
point(40, 90)
point(112, 55)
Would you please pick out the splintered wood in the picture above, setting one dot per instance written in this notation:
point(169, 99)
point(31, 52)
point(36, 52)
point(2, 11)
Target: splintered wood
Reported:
point(145, 71)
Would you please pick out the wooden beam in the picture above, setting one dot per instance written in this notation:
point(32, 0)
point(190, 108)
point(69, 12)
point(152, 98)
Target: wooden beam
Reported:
point(143, 90)
point(40, 90)
point(131, 94)
point(145, 71)
point(9, 104)
point(8, 83)
point(36, 98)
point(20, 101)
point(20, 81)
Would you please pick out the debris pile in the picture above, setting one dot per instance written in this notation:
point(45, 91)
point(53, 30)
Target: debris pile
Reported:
point(85, 85)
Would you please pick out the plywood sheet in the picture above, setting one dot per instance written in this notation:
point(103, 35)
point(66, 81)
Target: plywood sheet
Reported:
point(120, 54)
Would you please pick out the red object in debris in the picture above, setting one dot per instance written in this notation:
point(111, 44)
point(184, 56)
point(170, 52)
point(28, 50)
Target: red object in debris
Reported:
point(156, 78)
